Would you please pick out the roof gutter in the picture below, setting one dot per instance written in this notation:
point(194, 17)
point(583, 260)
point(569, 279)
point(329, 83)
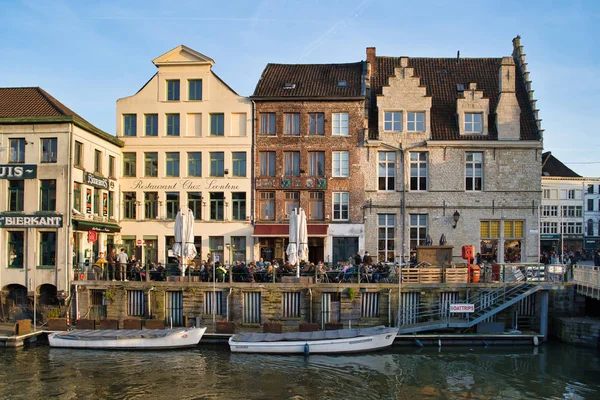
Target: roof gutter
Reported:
point(306, 98)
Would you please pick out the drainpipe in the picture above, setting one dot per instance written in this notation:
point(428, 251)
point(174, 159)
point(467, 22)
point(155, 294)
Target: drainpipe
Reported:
point(229, 294)
point(310, 308)
point(69, 214)
point(252, 177)
point(76, 316)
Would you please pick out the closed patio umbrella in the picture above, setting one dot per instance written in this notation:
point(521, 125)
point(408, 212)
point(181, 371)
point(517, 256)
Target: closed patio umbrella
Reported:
point(302, 239)
point(184, 237)
point(292, 248)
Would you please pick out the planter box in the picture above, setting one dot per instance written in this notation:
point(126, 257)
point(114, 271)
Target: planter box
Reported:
point(155, 324)
point(23, 327)
point(109, 324)
point(272, 327)
point(57, 324)
point(225, 327)
point(306, 327)
point(132, 324)
point(85, 324)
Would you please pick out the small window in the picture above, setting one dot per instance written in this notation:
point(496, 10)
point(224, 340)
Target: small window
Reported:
point(173, 90)
point(195, 89)
point(17, 151)
point(49, 150)
point(267, 124)
point(267, 163)
point(473, 123)
point(292, 201)
point(78, 157)
point(238, 160)
point(129, 124)
point(342, 84)
point(217, 164)
point(291, 124)
point(111, 166)
point(195, 163)
point(172, 124)
point(341, 206)
point(172, 169)
point(267, 206)
point(392, 121)
point(341, 165)
point(316, 206)
point(415, 122)
point(316, 124)
point(98, 161)
point(340, 124)
point(289, 86)
point(217, 122)
point(151, 124)
point(129, 165)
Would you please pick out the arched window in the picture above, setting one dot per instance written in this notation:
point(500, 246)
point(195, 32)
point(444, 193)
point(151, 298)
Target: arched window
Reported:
point(590, 227)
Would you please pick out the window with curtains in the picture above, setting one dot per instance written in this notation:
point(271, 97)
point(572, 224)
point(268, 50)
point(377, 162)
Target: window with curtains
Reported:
point(266, 204)
point(316, 124)
point(49, 150)
point(267, 124)
point(17, 150)
point(316, 163)
point(291, 163)
point(316, 206)
point(267, 163)
point(291, 124)
point(292, 201)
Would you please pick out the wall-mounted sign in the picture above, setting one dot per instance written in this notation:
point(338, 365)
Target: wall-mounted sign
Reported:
point(92, 236)
point(31, 221)
point(88, 200)
point(185, 184)
point(462, 308)
point(96, 180)
point(105, 204)
point(22, 171)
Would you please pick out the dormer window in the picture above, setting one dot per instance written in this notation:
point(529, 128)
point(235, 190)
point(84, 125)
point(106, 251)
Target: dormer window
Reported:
point(415, 122)
point(473, 122)
point(460, 87)
point(342, 84)
point(289, 86)
point(392, 121)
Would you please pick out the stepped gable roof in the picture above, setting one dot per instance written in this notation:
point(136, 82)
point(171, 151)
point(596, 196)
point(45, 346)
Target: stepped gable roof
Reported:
point(311, 80)
point(21, 105)
point(440, 76)
point(552, 166)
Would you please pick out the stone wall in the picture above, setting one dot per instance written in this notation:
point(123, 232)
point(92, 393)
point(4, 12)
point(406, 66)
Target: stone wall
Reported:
point(577, 330)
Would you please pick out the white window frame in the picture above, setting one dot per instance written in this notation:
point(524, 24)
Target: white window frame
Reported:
point(419, 162)
point(340, 164)
point(393, 120)
point(339, 124)
point(419, 227)
point(477, 158)
point(386, 232)
point(341, 199)
point(471, 125)
point(412, 118)
point(386, 169)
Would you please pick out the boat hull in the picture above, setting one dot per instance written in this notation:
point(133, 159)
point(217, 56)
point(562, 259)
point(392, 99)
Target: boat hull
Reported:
point(325, 346)
point(178, 338)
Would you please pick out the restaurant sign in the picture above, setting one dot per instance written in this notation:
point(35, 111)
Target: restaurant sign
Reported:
point(96, 180)
point(31, 221)
point(462, 308)
point(22, 171)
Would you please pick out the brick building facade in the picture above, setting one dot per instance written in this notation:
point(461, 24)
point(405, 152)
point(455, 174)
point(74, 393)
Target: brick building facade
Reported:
point(309, 131)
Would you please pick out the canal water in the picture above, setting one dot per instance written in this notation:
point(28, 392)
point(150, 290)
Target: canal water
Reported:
point(555, 371)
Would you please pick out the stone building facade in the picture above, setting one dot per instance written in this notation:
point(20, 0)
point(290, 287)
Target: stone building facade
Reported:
point(58, 179)
point(188, 143)
point(309, 131)
point(454, 148)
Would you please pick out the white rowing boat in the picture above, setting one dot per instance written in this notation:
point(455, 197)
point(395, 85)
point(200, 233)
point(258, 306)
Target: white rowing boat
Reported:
point(318, 342)
point(127, 339)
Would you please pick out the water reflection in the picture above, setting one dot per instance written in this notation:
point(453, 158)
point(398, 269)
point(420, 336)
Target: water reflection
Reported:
point(210, 371)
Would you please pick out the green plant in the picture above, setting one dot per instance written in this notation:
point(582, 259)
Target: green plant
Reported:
point(351, 293)
point(109, 295)
point(53, 312)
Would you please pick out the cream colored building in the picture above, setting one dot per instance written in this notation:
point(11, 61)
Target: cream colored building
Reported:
point(58, 182)
point(187, 142)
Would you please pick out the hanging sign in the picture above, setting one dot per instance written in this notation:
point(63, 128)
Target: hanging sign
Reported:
point(96, 181)
point(92, 236)
point(88, 200)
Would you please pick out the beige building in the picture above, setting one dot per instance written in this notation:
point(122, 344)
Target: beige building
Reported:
point(188, 141)
point(454, 148)
point(58, 182)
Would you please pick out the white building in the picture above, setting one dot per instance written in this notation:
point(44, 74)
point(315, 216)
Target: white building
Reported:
point(58, 183)
point(187, 142)
point(561, 220)
point(591, 213)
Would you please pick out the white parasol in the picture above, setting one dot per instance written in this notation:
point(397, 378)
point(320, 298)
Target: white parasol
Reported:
point(292, 248)
point(302, 239)
point(184, 237)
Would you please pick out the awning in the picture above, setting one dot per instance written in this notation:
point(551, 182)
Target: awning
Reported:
point(105, 227)
point(281, 230)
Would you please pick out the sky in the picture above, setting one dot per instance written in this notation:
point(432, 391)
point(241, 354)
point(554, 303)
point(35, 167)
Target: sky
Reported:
point(90, 53)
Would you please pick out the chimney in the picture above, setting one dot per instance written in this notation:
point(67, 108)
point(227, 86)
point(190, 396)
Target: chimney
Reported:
point(507, 75)
point(371, 60)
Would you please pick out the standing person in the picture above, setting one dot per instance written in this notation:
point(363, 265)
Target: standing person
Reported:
point(122, 259)
point(367, 259)
point(357, 258)
point(112, 265)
